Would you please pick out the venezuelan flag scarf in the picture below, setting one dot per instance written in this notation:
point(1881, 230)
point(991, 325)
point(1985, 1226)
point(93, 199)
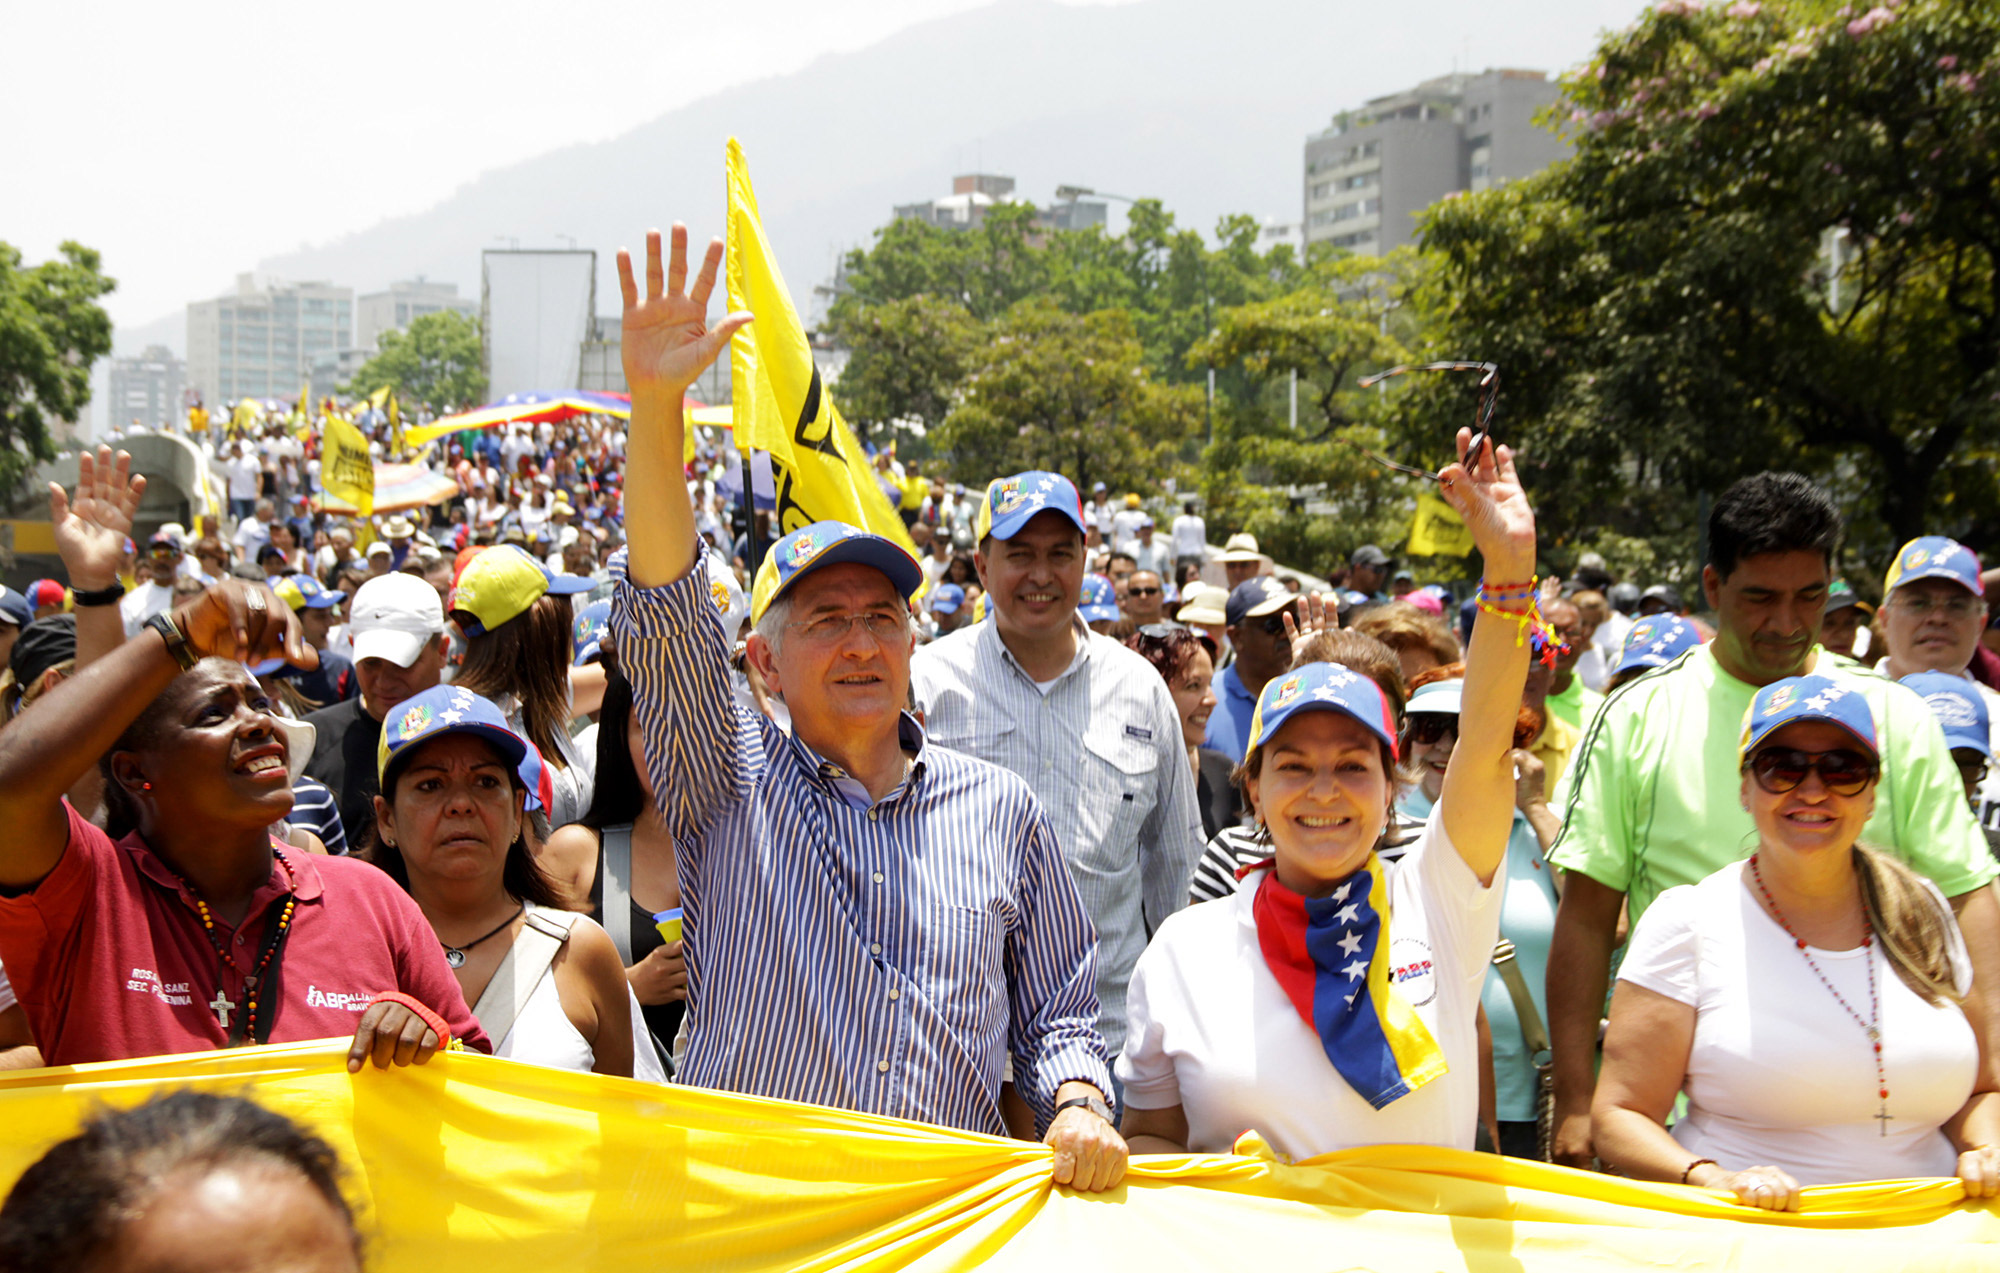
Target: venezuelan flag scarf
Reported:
point(1331, 958)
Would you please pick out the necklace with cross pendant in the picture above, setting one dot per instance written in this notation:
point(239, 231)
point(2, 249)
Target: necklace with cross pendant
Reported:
point(222, 1006)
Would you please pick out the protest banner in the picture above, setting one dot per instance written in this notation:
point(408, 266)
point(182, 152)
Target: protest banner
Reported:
point(346, 471)
point(1437, 530)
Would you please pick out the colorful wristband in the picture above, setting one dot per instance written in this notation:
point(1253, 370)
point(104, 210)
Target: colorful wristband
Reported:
point(446, 1043)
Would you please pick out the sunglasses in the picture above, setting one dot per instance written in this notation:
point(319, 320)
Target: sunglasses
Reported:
point(1426, 728)
point(1142, 592)
point(1845, 773)
point(1482, 415)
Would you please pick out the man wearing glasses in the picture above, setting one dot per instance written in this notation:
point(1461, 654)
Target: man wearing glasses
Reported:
point(1255, 615)
point(162, 565)
point(1089, 724)
point(1145, 597)
point(1933, 612)
point(874, 922)
point(1650, 798)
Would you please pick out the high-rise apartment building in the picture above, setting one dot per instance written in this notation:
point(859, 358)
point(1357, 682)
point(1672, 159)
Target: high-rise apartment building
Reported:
point(146, 389)
point(1368, 176)
point(263, 342)
point(394, 309)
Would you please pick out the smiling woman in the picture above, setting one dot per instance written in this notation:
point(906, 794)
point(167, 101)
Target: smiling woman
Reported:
point(194, 929)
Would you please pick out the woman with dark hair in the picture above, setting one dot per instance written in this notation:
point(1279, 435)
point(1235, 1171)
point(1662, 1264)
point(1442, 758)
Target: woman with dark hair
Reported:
point(516, 618)
point(1186, 662)
point(621, 856)
point(170, 1183)
point(451, 827)
point(183, 926)
point(961, 570)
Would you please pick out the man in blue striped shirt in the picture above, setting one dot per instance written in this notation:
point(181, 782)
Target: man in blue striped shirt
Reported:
point(872, 923)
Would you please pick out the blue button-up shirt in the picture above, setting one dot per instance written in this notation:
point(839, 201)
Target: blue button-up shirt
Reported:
point(1229, 724)
point(885, 957)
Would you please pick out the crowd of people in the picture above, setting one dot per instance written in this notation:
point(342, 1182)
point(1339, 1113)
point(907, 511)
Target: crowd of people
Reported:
point(1060, 828)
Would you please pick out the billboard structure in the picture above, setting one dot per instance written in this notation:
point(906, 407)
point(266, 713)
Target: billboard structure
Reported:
point(535, 312)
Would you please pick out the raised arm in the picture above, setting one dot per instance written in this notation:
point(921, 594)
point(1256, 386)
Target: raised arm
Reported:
point(667, 344)
point(1478, 797)
point(91, 527)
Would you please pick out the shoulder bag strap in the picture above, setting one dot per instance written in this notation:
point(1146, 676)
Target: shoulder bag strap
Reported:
point(521, 970)
point(1533, 1032)
point(616, 913)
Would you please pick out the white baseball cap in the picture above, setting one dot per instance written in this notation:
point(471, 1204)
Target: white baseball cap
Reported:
point(394, 617)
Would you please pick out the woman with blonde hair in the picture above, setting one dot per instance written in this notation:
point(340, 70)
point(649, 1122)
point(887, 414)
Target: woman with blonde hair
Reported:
point(1814, 1001)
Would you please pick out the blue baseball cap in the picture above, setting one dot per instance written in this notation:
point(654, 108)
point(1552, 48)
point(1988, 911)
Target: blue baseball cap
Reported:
point(825, 544)
point(1013, 502)
point(1655, 641)
point(1935, 557)
point(1321, 686)
point(1798, 698)
point(442, 710)
point(303, 592)
point(1097, 602)
point(1256, 596)
point(946, 598)
point(1959, 707)
point(14, 608)
point(587, 633)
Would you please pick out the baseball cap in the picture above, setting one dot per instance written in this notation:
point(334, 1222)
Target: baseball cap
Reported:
point(587, 633)
point(381, 546)
point(1012, 502)
point(1095, 487)
point(1655, 641)
point(1840, 595)
point(1256, 597)
point(1321, 687)
point(1131, 499)
point(1097, 601)
point(1426, 600)
point(42, 644)
point(1203, 604)
point(394, 617)
point(1145, 522)
point(946, 598)
point(1368, 555)
point(1445, 697)
point(1401, 574)
point(46, 592)
point(303, 592)
point(163, 540)
point(1935, 557)
point(501, 583)
point(1663, 594)
point(14, 608)
point(1240, 547)
point(825, 544)
point(1798, 698)
point(1959, 707)
point(442, 710)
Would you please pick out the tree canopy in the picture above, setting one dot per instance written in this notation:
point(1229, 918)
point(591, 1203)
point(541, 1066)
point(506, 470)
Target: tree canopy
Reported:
point(438, 362)
point(51, 330)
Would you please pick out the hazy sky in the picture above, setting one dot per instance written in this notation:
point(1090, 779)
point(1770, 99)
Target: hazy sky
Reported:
point(188, 142)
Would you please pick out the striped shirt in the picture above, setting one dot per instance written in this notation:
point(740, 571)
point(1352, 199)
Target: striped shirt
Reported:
point(1234, 848)
point(1102, 750)
point(314, 808)
point(886, 957)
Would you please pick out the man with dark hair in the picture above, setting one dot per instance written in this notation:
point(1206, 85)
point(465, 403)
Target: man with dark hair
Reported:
point(1650, 797)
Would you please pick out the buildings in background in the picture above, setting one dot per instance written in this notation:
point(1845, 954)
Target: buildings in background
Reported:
point(394, 309)
point(146, 389)
point(972, 194)
point(269, 341)
point(1368, 176)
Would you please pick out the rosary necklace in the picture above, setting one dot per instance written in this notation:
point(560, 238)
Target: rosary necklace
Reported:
point(1871, 1027)
point(455, 955)
point(222, 1006)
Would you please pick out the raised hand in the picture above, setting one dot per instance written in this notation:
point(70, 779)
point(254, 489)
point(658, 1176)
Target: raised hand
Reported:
point(92, 526)
point(1319, 617)
point(236, 619)
point(1495, 508)
point(667, 340)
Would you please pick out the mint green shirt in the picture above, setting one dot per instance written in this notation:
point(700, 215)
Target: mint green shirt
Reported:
point(1650, 799)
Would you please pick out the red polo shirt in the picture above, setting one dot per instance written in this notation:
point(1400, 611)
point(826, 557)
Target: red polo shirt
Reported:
point(110, 961)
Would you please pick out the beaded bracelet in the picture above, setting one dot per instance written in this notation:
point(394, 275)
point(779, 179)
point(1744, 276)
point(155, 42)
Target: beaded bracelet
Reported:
point(1699, 1162)
point(1549, 645)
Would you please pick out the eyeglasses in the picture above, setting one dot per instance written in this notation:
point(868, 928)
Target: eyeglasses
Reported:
point(1426, 728)
point(1845, 773)
point(1922, 605)
point(1274, 625)
point(1482, 415)
point(827, 629)
point(1971, 765)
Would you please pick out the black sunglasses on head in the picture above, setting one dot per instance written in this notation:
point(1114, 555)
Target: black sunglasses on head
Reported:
point(1845, 772)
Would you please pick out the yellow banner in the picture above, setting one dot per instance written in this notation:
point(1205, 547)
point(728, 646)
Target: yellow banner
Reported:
point(346, 470)
point(471, 1163)
point(1437, 530)
point(818, 470)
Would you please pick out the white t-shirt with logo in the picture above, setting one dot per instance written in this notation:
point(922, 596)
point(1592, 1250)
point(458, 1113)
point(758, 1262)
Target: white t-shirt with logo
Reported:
point(1209, 1028)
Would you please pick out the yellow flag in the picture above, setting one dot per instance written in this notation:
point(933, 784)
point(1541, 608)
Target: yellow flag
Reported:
point(395, 426)
point(305, 412)
point(345, 469)
point(818, 470)
point(1437, 530)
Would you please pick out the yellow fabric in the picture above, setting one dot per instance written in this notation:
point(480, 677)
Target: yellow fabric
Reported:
point(488, 1165)
point(818, 470)
point(346, 471)
point(1437, 530)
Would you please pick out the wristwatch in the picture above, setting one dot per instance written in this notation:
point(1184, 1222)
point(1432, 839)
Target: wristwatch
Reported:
point(98, 596)
point(1095, 1104)
point(170, 632)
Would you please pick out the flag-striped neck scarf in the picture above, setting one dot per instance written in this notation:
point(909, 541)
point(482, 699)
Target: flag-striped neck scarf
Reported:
point(1331, 958)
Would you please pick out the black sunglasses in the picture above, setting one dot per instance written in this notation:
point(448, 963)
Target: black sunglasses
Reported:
point(1845, 772)
point(1426, 728)
point(1143, 592)
point(1482, 416)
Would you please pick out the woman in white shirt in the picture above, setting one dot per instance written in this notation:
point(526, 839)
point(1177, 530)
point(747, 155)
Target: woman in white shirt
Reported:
point(1329, 1002)
point(1814, 1002)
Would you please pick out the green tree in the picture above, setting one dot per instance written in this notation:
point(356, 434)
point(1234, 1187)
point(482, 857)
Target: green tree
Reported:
point(908, 357)
point(437, 362)
point(1775, 246)
point(51, 330)
point(1067, 393)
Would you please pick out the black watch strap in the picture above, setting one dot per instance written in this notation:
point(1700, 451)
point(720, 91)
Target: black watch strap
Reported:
point(1095, 1104)
point(98, 596)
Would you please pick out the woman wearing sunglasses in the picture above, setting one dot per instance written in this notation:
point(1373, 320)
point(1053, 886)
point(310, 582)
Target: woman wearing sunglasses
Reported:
point(1813, 1001)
